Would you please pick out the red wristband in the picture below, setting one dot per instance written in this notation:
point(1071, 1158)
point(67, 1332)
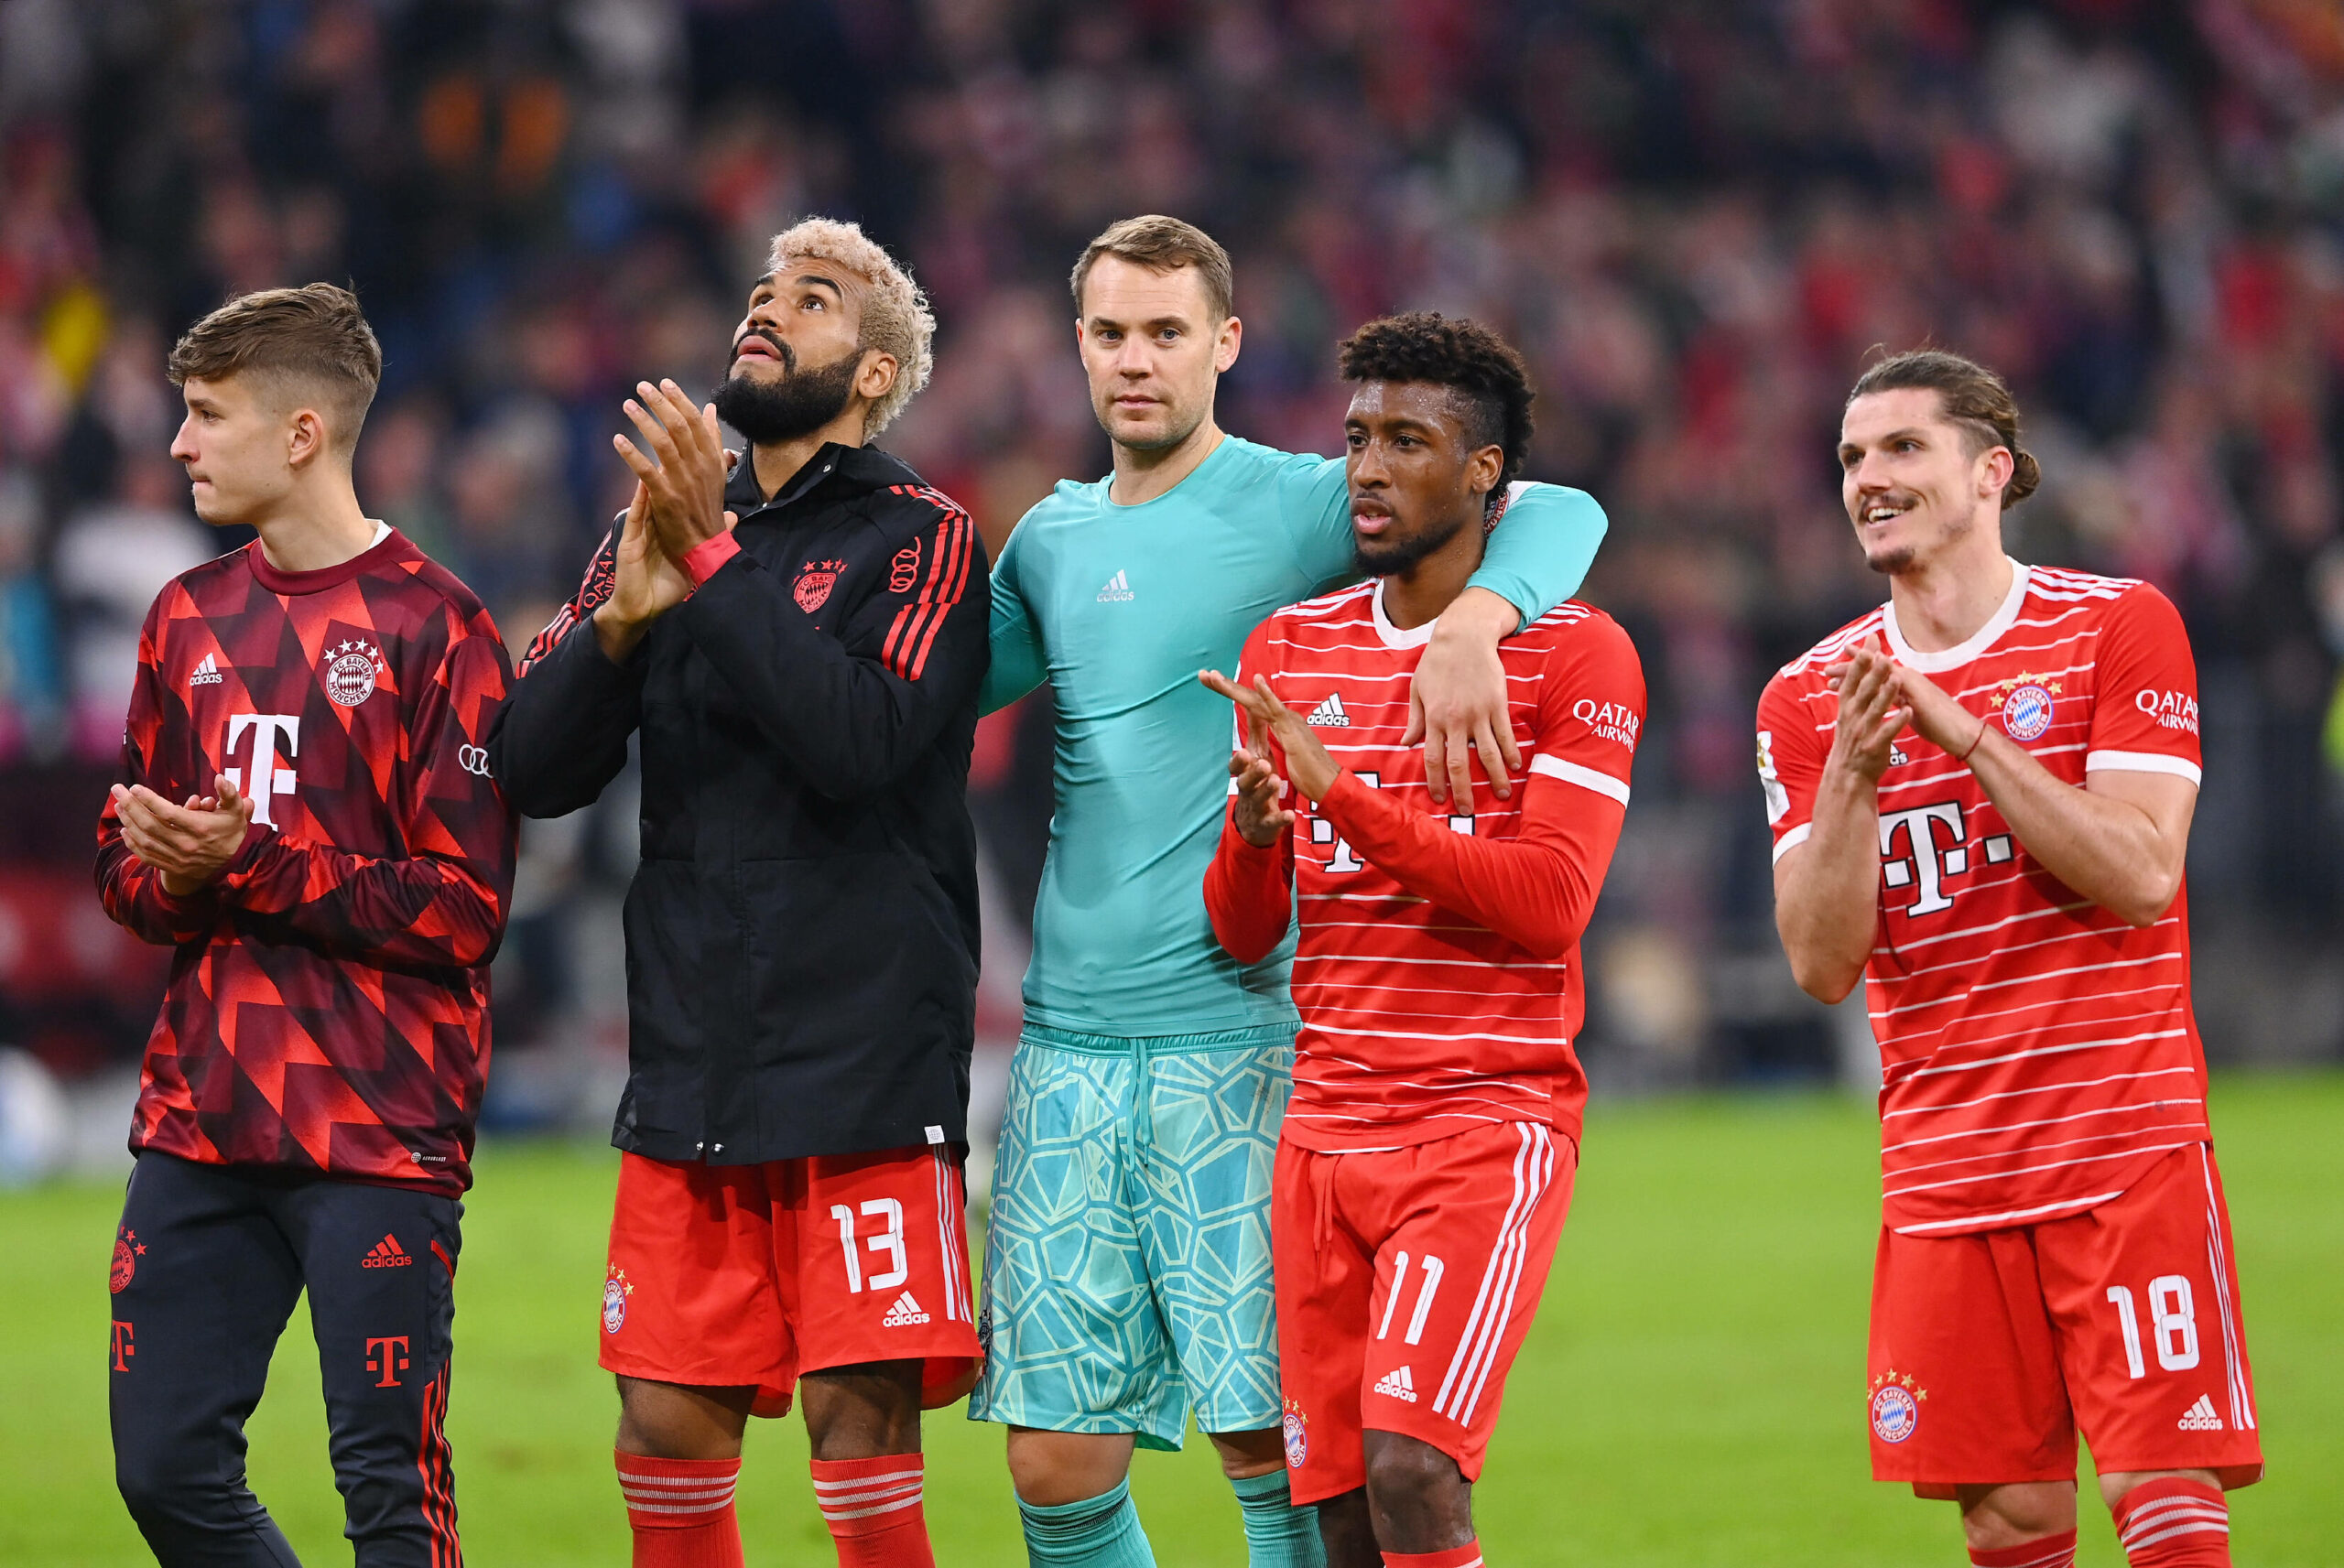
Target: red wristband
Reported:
point(700, 562)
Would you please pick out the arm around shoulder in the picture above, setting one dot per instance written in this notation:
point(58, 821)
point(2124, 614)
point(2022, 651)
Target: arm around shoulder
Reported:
point(1539, 553)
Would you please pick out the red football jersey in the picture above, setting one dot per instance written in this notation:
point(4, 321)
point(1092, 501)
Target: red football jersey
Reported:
point(1437, 967)
point(328, 1005)
point(2039, 1053)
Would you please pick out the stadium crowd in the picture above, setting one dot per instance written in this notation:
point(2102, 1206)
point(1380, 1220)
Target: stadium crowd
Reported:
point(1696, 217)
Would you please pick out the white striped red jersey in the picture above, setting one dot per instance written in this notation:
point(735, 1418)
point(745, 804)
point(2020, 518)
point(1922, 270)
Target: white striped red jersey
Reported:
point(2039, 1054)
point(1437, 966)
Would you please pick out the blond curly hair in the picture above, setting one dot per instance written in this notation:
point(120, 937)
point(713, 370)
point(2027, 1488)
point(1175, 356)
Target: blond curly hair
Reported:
point(895, 317)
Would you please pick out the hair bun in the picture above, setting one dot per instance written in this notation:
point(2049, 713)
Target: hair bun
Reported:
point(2025, 474)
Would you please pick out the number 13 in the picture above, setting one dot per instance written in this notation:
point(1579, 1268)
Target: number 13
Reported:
point(889, 1240)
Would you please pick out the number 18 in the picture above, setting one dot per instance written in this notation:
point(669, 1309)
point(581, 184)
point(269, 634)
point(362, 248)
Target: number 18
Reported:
point(2173, 1318)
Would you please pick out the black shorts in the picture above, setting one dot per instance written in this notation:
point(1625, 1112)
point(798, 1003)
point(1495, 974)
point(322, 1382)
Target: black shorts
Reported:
point(208, 1262)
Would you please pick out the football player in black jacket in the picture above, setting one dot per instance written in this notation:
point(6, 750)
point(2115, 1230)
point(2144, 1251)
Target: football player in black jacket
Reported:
point(798, 648)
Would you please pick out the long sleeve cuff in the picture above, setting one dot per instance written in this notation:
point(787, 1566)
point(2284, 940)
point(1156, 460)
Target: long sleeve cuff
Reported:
point(1249, 894)
point(1360, 815)
point(702, 561)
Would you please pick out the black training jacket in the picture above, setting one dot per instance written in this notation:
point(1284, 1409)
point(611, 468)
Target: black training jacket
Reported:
point(801, 933)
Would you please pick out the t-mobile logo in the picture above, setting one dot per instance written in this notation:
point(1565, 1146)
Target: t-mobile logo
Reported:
point(268, 780)
point(1924, 862)
point(387, 1358)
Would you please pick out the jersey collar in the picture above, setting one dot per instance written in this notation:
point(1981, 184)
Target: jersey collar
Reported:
point(388, 544)
point(1963, 653)
point(1394, 636)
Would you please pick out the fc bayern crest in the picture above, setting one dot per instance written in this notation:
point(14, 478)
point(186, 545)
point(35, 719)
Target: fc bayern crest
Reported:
point(1297, 1437)
point(615, 1289)
point(350, 671)
point(126, 1264)
point(1896, 1407)
point(812, 588)
point(2026, 713)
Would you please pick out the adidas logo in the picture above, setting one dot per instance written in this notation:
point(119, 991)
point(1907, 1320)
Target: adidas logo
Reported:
point(1117, 591)
point(904, 1313)
point(388, 1254)
point(2200, 1416)
point(1329, 714)
point(206, 673)
point(1399, 1385)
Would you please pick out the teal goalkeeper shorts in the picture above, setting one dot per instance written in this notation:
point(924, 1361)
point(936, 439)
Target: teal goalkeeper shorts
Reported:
point(1127, 1267)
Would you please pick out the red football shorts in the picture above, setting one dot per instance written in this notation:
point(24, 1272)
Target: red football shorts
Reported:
point(1405, 1280)
point(731, 1276)
point(1990, 1351)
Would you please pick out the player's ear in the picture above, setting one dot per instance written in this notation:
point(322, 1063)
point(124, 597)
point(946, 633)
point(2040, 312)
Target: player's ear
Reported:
point(1225, 346)
point(877, 375)
point(1996, 466)
point(305, 438)
point(1485, 469)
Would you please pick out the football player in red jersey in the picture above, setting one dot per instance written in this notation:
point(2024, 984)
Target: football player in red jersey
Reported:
point(1425, 1164)
point(305, 814)
point(1982, 794)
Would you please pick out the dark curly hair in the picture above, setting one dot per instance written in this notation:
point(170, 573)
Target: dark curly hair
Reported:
point(1974, 398)
point(1489, 385)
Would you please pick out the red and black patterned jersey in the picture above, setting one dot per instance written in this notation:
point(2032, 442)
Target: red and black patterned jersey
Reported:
point(328, 1005)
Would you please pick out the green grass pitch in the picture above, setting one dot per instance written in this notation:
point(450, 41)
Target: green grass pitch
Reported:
point(1693, 1393)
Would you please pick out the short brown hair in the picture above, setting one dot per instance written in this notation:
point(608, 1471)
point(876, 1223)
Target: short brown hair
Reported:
point(1971, 397)
point(1164, 244)
point(308, 341)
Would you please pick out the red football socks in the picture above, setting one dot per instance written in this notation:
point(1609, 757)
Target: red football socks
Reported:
point(872, 1507)
point(2046, 1551)
point(681, 1511)
point(2174, 1523)
point(1466, 1556)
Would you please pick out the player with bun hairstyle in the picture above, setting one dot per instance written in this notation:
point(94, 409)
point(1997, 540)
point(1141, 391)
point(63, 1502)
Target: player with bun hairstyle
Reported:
point(1981, 796)
point(1425, 1162)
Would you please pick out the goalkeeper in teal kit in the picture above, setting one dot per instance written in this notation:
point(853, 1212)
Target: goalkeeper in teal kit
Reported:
point(1128, 1271)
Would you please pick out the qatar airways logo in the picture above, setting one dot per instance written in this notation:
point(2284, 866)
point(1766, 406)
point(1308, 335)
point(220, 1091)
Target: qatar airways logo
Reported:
point(273, 735)
point(2171, 709)
point(1610, 720)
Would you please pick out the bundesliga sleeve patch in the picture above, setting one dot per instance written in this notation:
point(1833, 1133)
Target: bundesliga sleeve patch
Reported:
point(1778, 799)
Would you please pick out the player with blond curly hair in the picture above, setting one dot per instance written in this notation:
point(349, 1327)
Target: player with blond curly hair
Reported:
point(798, 646)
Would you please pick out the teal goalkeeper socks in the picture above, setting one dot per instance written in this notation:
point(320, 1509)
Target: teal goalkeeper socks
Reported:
point(1098, 1533)
point(1278, 1534)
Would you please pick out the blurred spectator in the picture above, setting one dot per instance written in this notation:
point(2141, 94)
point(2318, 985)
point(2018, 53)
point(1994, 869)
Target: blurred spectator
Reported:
point(113, 557)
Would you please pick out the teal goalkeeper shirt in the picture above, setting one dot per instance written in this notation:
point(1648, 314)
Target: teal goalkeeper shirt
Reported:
point(1118, 608)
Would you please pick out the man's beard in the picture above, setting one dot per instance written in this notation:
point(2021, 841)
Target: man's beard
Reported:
point(768, 412)
point(1389, 557)
point(1898, 559)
